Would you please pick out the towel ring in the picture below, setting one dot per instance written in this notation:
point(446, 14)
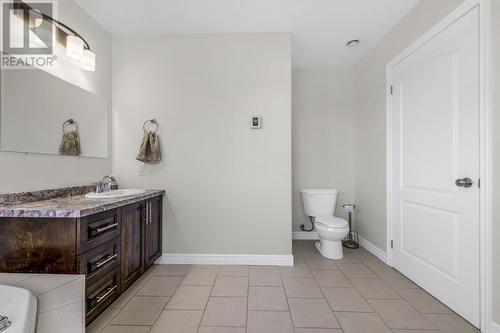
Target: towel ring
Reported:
point(152, 121)
point(69, 122)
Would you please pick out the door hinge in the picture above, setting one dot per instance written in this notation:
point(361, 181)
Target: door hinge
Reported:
point(392, 244)
point(392, 90)
point(479, 183)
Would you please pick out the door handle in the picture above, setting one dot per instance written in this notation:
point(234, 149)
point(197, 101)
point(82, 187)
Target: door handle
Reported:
point(464, 182)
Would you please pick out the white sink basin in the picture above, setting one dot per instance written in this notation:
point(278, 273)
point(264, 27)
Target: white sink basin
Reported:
point(114, 194)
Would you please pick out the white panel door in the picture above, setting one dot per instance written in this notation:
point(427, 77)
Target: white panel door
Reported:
point(435, 142)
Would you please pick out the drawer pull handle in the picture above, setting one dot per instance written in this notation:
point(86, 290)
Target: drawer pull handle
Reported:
point(106, 295)
point(111, 226)
point(105, 261)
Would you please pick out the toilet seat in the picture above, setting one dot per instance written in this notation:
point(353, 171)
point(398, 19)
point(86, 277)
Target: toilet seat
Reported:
point(331, 222)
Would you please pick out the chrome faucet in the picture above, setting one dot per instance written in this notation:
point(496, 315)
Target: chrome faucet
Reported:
point(107, 183)
point(100, 187)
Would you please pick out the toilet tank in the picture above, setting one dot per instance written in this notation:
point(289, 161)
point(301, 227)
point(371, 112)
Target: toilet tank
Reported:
point(319, 202)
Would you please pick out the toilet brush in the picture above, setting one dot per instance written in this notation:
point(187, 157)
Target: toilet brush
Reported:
point(351, 241)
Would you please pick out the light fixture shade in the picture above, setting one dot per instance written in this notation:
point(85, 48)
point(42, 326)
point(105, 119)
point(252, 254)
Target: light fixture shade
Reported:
point(38, 22)
point(74, 47)
point(88, 60)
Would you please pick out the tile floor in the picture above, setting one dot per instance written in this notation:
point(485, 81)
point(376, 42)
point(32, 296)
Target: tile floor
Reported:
point(358, 294)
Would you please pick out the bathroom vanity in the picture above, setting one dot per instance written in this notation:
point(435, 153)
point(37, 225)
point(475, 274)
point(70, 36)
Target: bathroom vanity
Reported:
point(112, 241)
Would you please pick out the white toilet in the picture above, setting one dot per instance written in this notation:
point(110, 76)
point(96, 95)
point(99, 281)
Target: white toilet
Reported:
point(319, 205)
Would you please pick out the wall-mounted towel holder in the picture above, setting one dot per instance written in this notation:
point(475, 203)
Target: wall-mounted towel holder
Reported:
point(151, 121)
point(69, 122)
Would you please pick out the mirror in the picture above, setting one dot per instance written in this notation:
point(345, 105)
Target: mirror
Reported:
point(41, 113)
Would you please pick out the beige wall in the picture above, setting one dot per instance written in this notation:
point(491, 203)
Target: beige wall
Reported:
point(370, 116)
point(322, 135)
point(228, 186)
point(25, 172)
point(496, 162)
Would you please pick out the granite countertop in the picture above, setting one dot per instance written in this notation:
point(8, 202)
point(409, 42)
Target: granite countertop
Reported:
point(72, 206)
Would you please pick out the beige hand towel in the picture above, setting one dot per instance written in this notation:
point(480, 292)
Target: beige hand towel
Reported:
point(149, 152)
point(70, 144)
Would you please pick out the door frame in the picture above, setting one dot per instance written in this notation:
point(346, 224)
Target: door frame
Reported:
point(486, 146)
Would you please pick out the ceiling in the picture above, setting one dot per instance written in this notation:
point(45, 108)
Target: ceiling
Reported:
point(320, 27)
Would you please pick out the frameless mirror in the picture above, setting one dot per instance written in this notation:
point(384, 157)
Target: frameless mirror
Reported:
point(41, 113)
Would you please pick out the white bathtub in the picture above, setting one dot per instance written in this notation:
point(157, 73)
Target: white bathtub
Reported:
point(19, 305)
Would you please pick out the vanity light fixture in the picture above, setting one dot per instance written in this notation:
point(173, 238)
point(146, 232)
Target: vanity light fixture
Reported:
point(35, 22)
point(76, 46)
point(88, 60)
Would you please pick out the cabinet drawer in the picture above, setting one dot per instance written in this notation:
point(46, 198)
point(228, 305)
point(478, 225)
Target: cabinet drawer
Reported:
point(100, 260)
point(98, 229)
point(102, 293)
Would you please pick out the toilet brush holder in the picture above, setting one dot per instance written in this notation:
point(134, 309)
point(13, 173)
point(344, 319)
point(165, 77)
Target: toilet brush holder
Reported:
point(352, 239)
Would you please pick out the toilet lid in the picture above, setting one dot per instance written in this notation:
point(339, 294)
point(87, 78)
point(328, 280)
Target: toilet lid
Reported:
point(331, 221)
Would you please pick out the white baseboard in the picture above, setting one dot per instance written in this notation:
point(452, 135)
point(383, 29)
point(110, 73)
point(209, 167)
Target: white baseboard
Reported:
point(494, 327)
point(304, 235)
point(226, 259)
point(377, 252)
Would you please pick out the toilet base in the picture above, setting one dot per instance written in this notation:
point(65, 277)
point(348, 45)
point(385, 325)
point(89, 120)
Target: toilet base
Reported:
point(330, 249)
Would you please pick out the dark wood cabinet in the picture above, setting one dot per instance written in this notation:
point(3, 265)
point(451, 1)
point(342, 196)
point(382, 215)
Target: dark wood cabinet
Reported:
point(132, 243)
point(40, 245)
point(152, 231)
point(141, 239)
point(112, 248)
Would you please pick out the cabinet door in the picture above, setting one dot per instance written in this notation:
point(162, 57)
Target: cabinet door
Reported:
point(153, 230)
point(132, 243)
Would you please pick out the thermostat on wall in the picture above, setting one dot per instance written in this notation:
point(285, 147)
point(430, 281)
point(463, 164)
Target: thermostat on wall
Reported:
point(256, 122)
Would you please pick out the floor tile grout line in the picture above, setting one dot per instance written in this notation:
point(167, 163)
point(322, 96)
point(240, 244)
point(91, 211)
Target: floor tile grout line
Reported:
point(287, 303)
point(368, 298)
point(349, 278)
point(418, 312)
point(208, 301)
point(375, 311)
point(396, 291)
point(163, 309)
point(227, 326)
point(298, 297)
point(248, 297)
point(331, 309)
point(169, 297)
point(253, 310)
point(401, 299)
point(108, 322)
